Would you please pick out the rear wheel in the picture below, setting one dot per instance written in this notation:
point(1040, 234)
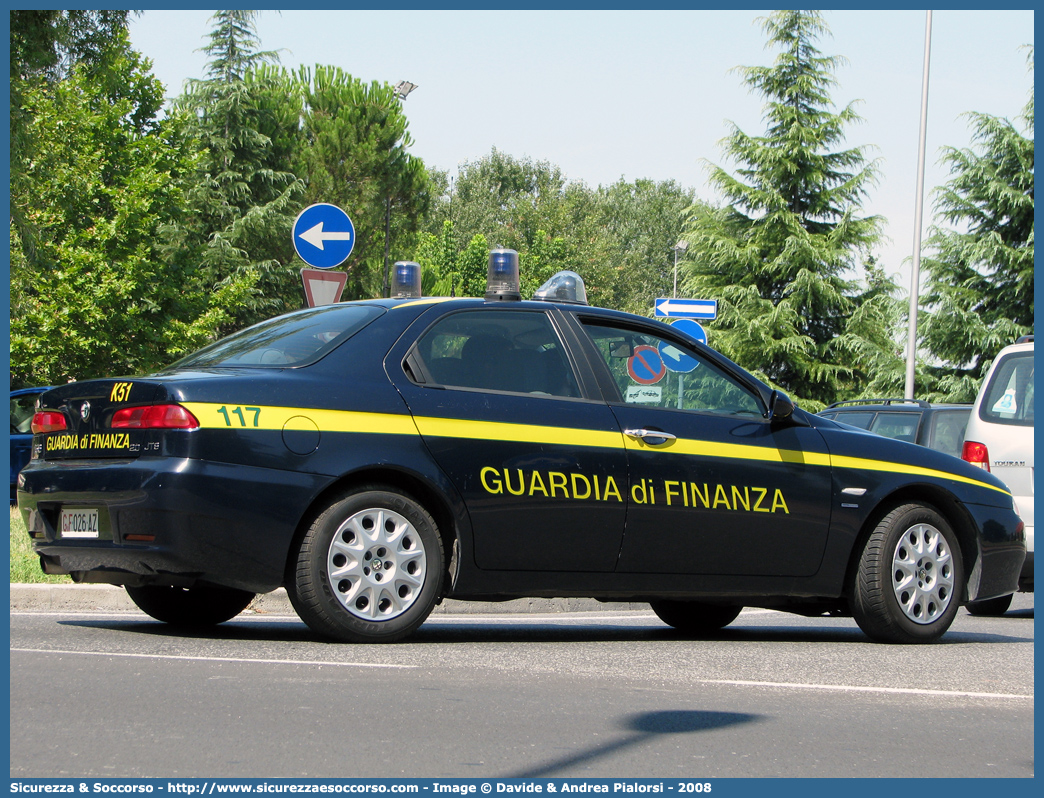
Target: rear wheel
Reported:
point(369, 569)
point(907, 586)
point(192, 606)
point(993, 606)
point(695, 617)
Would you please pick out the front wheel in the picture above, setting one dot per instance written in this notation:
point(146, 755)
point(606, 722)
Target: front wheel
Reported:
point(190, 606)
point(369, 569)
point(908, 582)
point(695, 618)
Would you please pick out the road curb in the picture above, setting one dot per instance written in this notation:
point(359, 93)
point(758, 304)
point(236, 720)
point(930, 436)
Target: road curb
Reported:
point(108, 598)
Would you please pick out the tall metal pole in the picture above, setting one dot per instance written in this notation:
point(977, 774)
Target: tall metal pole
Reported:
point(915, 276)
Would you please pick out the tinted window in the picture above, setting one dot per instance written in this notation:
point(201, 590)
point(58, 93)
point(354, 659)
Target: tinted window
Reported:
point(292, 340)
point(1009, 397)
point(22, 408)
point(514, 351)
point(901, 426)
point(861, 420)
point(703, 387)
point(947, 431)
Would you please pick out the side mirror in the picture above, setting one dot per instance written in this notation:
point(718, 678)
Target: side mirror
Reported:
point(781, 408)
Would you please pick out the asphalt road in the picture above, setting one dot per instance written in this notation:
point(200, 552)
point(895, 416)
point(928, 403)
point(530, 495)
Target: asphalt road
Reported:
point(592, 695)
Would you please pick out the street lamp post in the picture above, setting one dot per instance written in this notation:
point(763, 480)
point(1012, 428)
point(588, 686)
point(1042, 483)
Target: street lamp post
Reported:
point(681, 246)
point(402, 91)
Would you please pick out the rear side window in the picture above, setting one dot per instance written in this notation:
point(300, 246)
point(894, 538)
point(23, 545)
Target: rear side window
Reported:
point(900, 426)
point(861, 420)
point(1008, 399)
point(947, 433)
point(296, 339)
point(502, 350)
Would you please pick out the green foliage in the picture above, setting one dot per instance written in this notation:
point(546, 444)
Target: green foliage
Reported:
point(89, 296)
point(615, 238)
point(979, 292)
point(232, 244)
point(638, 224)
point(24, 563)
point(778, 258)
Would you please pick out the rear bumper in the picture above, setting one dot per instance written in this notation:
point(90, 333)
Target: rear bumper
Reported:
point(1002, 552)
point(168, 521)
point(1026, 577)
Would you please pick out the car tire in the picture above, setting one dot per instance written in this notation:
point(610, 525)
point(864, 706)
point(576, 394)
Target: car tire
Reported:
point(994, 606)
point(695, 618)
point(369, 569)
point(908, 582)
point(190, 607)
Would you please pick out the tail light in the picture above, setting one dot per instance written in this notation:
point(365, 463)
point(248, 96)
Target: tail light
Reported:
point(154, 417)
point(48, 421)
point(976, 454)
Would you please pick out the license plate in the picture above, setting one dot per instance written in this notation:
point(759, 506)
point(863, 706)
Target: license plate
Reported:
point(81, 523)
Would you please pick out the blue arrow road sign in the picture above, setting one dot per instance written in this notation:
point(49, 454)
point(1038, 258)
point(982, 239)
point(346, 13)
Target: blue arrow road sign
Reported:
point(686, 308)
point(323, 235)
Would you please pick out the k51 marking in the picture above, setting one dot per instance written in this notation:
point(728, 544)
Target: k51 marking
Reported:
point(120, 392)
point(238, 412)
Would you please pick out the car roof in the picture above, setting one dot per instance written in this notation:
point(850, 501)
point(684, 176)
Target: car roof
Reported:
point(891, 405)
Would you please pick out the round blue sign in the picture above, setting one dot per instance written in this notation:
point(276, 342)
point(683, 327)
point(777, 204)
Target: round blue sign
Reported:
point(323, 235)
point(690, 327)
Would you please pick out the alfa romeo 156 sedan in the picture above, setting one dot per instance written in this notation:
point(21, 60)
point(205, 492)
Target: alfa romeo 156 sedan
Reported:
point(377, 457)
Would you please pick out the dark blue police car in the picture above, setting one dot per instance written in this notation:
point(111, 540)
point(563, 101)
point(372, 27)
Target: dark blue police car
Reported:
point(375, 457)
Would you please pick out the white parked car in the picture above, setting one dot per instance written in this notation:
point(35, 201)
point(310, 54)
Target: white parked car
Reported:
point(999, 438)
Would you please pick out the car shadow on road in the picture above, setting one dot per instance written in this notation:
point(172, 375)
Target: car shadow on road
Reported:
point(438, 631)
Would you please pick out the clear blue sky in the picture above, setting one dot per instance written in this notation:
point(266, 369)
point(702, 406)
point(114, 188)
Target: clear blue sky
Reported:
point(617, 94)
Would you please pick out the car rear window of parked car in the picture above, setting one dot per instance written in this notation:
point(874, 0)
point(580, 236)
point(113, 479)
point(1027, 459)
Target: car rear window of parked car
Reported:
point(1009, 396)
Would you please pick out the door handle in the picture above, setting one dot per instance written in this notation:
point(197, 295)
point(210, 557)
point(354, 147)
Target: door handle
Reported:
point(653, 437)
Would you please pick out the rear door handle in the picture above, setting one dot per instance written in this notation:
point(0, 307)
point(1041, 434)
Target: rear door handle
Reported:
point(653, 437)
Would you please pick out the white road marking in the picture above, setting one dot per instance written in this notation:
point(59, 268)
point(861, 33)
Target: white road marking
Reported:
point(865, 689)
point(243, 660)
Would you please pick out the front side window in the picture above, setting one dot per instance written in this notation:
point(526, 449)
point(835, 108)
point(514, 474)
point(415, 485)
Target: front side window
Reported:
point(1009, 396)
point(498, 350)
point(657, 372)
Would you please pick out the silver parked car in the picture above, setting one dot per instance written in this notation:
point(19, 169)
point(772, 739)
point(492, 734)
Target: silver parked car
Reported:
point(999, 438)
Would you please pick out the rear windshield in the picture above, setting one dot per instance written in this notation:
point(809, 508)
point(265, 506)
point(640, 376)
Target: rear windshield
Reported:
point(1008, 398)
point(296, 339)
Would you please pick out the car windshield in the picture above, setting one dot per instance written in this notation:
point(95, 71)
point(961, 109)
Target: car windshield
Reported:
point(296, 339)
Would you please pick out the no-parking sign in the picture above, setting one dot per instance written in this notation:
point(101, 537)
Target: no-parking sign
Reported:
point(646, 366)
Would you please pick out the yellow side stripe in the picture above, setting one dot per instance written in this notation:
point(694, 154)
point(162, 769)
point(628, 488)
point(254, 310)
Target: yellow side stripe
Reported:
point(526, 433)
point(864, 464)
point(215, 416)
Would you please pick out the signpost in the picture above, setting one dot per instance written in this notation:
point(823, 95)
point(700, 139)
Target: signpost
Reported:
point(686, 308)
point(323, 235)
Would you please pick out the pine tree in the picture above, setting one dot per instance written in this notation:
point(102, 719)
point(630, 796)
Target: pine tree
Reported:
point(780, 257)
point(234, 243)
point(979, 291)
